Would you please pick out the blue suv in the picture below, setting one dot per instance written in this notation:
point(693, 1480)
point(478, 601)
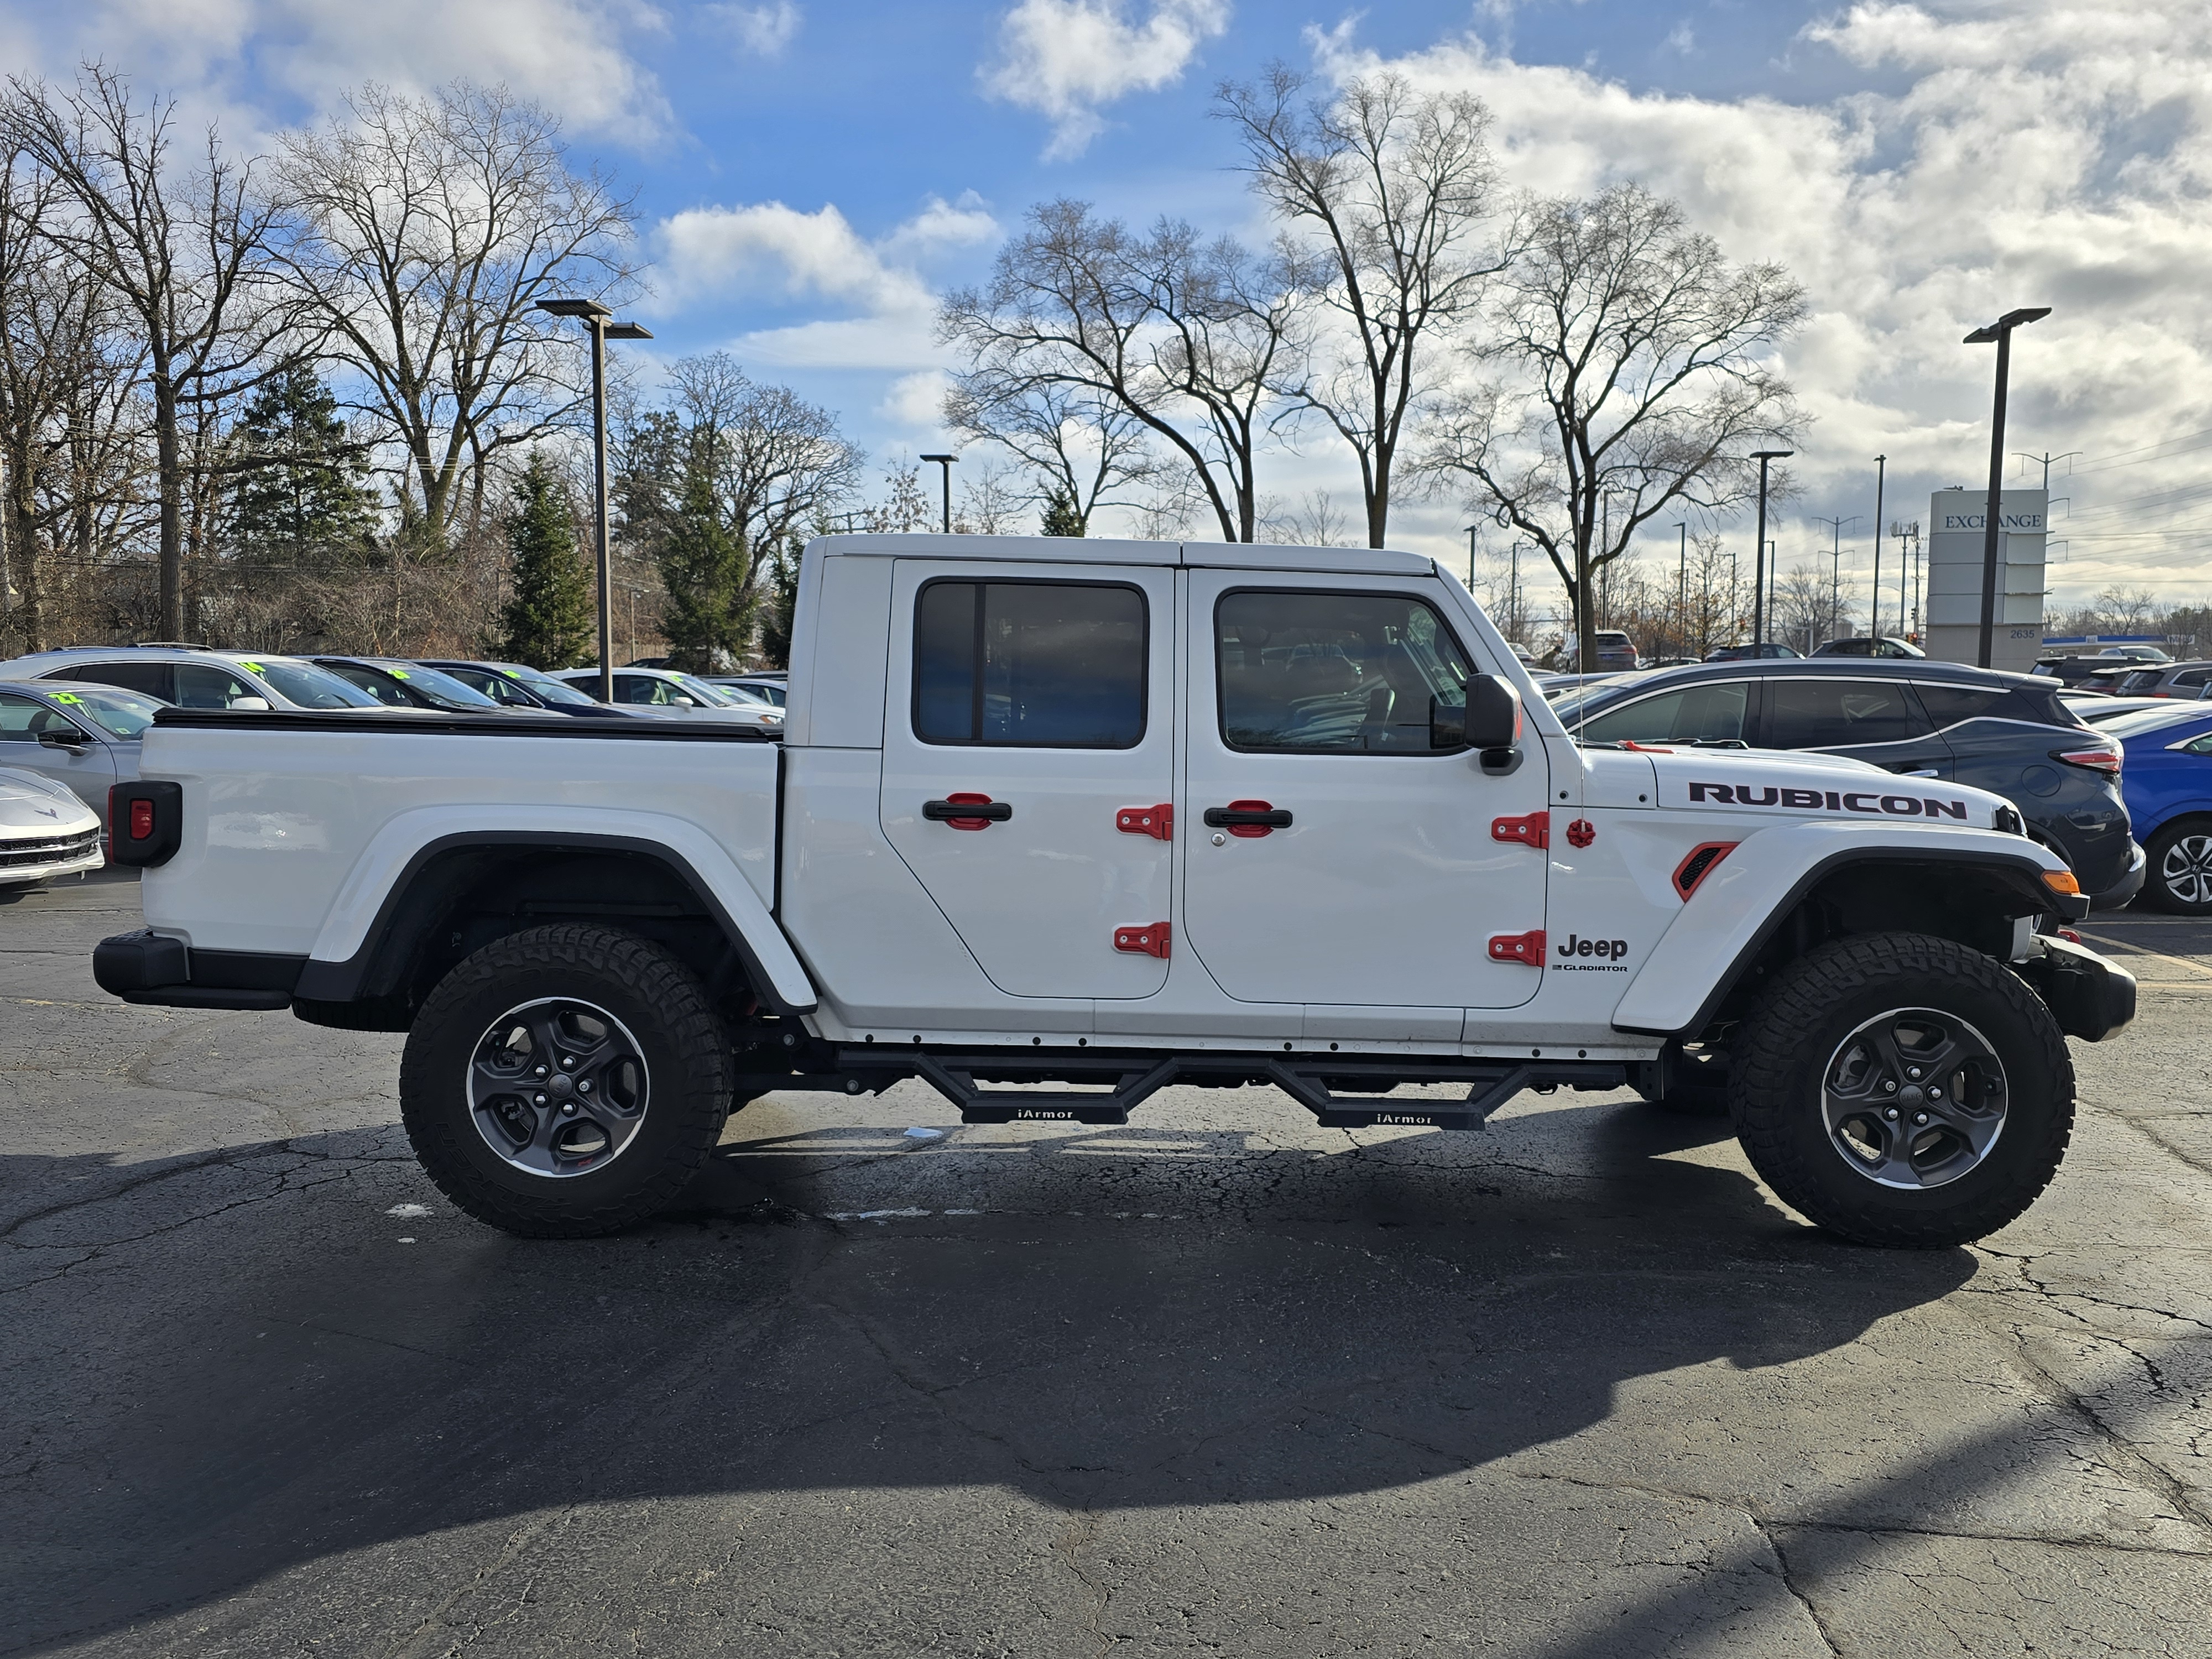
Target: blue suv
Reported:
point(2008, 734)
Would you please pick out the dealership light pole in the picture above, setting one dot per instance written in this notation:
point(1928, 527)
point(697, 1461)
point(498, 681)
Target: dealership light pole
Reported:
point(1874, 592)
point(944, 466)
point(1836, 567)
point(1759, 563)
point(2000, 331)
point(1471, 529)
point(599, 320)
point(1683, 588)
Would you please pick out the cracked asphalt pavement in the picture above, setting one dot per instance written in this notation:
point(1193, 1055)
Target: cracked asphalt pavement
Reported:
point(1218, 1382)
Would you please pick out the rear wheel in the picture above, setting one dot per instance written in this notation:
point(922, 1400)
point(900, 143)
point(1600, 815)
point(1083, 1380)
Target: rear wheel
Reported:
point(2179, 880)
point(1902, 1090)
point(565, 1081)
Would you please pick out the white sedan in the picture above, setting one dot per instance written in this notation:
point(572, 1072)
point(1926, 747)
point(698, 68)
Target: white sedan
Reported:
point(44, 830)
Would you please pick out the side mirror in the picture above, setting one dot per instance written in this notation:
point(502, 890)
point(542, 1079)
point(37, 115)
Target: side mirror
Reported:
point(683, 702)
point(258, 704)
point(1494, 713)
point(1447, 725)
point(67, 737)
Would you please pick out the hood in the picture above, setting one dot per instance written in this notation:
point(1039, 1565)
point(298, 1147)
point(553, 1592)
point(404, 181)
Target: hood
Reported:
point(29, 803)
point(1791, 784)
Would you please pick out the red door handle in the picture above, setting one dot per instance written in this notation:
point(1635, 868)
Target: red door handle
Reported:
point(966, 812)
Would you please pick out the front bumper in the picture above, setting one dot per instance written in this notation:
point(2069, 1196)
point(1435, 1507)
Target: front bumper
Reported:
point(155, 969)
point(2122, 892)
point(43, 860)
point(2090, 997)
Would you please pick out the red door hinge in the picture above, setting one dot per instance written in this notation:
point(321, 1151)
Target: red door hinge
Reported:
point(1158, 822)
point(1518, 947)
point(1143, 938)
point(1534, 830)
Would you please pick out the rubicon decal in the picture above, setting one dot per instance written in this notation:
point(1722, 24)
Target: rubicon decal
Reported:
point(1828, 800)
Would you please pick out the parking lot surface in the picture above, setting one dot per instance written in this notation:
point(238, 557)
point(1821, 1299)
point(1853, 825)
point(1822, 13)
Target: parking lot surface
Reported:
point(1218, 1382)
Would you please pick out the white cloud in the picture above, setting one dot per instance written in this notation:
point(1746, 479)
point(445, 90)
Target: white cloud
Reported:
point(763, 31)
point(2032, 152)
point(1068, 58)
point(766, 252)
point(228, 57)
point(915, 402)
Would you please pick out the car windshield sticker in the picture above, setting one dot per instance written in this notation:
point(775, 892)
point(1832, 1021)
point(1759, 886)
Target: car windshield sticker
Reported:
point(67, 697)
point(1828, 800)
point(252, 667)
point(397, 673)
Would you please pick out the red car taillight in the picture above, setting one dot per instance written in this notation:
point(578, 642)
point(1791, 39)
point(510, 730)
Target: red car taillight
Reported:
point(2107, 761)
point(141, 819)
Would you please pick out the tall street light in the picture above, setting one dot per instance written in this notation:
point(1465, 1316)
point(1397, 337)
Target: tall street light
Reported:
point(1471, 529)
point(1873, 597)
point(601, 322)
point(945, 466)
point(1682, 589)
point(2000, 331)
point(1758, 564)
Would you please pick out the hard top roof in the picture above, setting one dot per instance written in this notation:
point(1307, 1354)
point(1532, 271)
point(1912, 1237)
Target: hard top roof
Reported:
point(1082, 549)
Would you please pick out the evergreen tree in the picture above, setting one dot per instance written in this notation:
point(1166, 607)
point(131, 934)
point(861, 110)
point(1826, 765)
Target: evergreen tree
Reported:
point(1061, 518)
point(704, 567)
point(302, 494)
point(548, 623)
point(782, 568)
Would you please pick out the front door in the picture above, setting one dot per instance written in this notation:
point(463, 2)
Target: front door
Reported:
point(88, 768)
point(1029, 768)
point(1352, 863)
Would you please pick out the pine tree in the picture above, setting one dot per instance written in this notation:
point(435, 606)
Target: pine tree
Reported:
point(303, 496)
point(782, 601)
point(1061, 518)
point(548, 623)
point(703, 567)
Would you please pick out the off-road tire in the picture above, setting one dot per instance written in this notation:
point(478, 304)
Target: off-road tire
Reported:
point(1781, 1052)
point(2161, 846)
point(683, 1042)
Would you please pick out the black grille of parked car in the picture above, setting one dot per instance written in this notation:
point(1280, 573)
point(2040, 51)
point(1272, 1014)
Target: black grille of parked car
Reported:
point(48, 849)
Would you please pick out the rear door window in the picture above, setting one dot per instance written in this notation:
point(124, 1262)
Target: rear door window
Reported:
point(208, 685)
point(1713, 713)
point(1840, 714)
point(1030, 665)
point(1950, 705)
point(155, 679)
point(368, 680)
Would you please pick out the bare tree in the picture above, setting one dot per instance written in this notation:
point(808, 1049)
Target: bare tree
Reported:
point(1069, 438)
point(1187, 338)
point(993, 499)
point(1389, 191)
point(1315, 522)
point(183, 253)
point(1642, 381)
point(424, 232)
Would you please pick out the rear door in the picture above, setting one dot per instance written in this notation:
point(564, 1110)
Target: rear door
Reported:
point(1876, 719)
point(1374, 873)
point(154, 679)
point(1045, 705)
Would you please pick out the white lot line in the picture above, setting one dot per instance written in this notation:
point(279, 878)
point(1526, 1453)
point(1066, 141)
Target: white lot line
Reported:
point(2197, 968)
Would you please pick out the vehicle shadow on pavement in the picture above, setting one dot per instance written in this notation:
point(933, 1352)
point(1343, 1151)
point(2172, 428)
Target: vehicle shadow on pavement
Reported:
point(236, 1367)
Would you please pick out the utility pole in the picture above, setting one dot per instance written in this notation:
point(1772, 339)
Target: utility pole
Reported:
point(1471, 529)
point(1874, 590)
point(1835, 569)
point(1682, 590)
point(2022, 454)
point(2000, 332)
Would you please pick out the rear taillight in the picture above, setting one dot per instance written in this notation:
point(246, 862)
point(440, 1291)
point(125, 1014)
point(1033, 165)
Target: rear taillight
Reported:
point(145, 822)
point(141, 820)
point(2107, 761)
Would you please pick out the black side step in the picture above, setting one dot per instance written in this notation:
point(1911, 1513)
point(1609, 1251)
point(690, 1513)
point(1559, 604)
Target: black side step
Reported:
point(1130, 1079)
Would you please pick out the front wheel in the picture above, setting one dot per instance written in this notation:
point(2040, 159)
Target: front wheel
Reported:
point(565, 1081)
point(2179, 880)
point(1901, 1090)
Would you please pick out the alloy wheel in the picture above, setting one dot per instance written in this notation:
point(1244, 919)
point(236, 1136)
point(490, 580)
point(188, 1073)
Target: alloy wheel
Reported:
point(1913, 1097)
point(557, 1087)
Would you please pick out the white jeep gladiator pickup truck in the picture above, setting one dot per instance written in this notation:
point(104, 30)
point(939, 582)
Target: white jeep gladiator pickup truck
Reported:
point(1092, 817)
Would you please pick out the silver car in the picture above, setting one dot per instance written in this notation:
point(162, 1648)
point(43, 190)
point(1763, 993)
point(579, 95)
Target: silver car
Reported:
point(80, 735)
point(668, 692)
point(194, 678)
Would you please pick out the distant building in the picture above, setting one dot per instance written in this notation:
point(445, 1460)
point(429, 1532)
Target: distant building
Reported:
point(1954, 576)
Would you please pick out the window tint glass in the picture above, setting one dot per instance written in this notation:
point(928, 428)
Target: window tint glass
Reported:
point(1837, 713)
point(1032, 665)
point(22, 719)
point(2198, 745)
point(203, 685)
point(306, 686)
point(1350, 672)
point(371, 682)
point(2193, 677)
point(151, 677)
point(1947, 705)
point(125, 713)
point(1714, 713)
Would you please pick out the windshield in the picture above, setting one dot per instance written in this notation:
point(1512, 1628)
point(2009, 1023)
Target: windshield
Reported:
point(123, 714)
point(708, 696)
point(439, 686)
point(546, 687)
point(306, 686)
point(2150, 720)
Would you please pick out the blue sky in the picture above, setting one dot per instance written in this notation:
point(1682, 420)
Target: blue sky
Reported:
point(810, 175)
